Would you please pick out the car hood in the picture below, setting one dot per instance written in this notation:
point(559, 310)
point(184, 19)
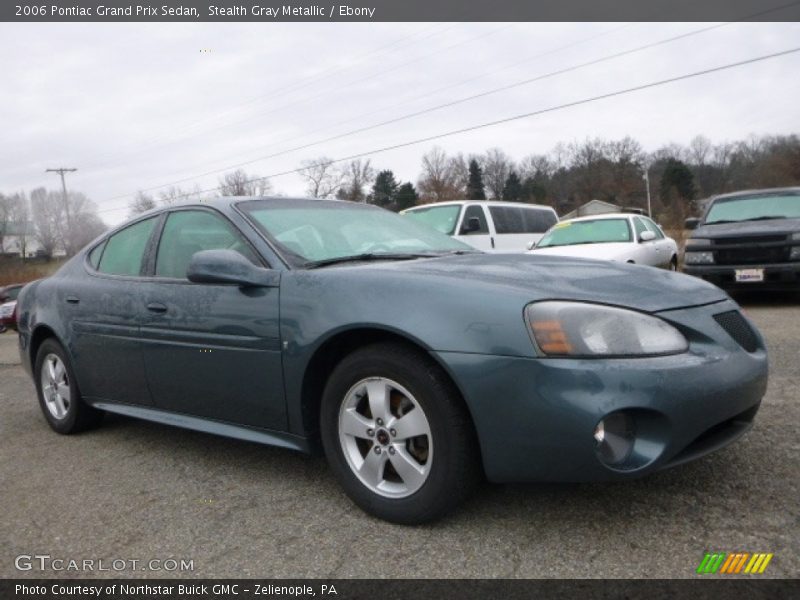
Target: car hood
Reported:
point(531, 277)
point(747, 228)
point(610, 251)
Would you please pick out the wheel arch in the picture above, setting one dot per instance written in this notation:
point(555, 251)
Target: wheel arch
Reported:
point(336, 348)
point(41, 333)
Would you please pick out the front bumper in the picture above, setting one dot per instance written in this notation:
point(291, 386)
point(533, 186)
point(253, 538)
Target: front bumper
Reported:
point(535, 417)
point(776, 276)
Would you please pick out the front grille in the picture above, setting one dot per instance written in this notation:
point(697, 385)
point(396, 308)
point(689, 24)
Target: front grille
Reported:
point(751, 250)
point(753, 239)
point(736, 326)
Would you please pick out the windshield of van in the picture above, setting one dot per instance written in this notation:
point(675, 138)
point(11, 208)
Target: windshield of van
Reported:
point(596, 231)
point(315, 231)
point(441, 218)
point(754, 208)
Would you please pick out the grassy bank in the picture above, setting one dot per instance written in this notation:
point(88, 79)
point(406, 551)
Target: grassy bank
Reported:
point(15, 270)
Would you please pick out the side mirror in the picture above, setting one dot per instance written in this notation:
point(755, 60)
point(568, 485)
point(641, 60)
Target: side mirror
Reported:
point(229, 267)
point(692, 223)
point(647, 236)
point(531, 245)
point(473, 224)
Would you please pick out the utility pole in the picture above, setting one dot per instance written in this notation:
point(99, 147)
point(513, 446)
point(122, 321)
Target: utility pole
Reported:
point(61, 171)
point(646, 178)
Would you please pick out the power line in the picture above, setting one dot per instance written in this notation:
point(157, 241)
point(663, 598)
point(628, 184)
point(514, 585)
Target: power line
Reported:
point(159, 141)
point(517, 117)
point(468, 98)
point(437, 107)
point(441, 89)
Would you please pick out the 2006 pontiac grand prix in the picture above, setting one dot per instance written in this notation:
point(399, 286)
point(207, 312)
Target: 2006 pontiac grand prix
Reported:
point(421, 364)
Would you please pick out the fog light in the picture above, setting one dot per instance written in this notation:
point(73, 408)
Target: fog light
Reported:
point(615, 435)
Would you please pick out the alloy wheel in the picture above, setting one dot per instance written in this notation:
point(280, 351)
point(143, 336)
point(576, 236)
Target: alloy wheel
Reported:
point(55, 386)
point(385, 437)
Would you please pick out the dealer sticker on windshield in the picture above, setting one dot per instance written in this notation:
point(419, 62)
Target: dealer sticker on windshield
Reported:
point(749, 275)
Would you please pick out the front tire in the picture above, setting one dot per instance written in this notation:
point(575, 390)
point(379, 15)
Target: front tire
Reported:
point(397, 434)
point(59, 396)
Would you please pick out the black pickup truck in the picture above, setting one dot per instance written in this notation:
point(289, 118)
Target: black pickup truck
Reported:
point(747, 239)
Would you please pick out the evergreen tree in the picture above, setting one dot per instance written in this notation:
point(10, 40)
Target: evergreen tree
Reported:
point(512, 190)
point(406, 197)
point(475, 189)
point(384, 189)
point(677, 179)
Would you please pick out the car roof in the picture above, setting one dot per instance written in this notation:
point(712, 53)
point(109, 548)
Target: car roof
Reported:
point(482, 203)
point(794, 190)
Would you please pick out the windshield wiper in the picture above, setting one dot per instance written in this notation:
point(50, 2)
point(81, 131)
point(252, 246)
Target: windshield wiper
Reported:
point(574, 244)
point(367, 257)
point(764, 218)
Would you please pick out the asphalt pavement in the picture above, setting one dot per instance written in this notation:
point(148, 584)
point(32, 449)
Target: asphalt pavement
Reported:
point(136, 491)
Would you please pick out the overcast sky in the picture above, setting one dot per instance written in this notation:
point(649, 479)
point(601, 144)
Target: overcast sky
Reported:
point(135, 106)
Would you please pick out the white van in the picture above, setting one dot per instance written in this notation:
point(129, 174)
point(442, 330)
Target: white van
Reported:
point(487, 225)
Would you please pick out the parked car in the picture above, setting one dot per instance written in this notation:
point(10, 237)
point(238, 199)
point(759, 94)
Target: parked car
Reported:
point(8, 301)
point(488, 226)
point(420, 363)
point(627, 238)
point(10, 292)
point(8, 316)
point(747, 239)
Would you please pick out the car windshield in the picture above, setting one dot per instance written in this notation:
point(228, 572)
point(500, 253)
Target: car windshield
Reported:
point(596, 231)
point(441, 218)
point(314, 231)
point(750, 208)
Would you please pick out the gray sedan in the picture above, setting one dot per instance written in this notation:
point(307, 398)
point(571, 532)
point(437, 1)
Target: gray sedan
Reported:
point(421, 365)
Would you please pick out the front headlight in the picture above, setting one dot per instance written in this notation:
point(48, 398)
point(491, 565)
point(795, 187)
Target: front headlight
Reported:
point(578, 329)
point(698, 258)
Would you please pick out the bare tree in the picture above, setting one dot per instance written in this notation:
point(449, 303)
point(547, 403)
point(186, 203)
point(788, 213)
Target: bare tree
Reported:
point(496, 167)
point(176, 194)
point(5, 219)
point(20, 214)
point(438, 181)
point(47, 209)
point(322, 177)
point(357, 175)
point(239, 183)
point(699, 150)
point(141, 203)
point(86, 226)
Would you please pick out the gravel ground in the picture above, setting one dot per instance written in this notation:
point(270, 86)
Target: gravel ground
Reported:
point(135, 490)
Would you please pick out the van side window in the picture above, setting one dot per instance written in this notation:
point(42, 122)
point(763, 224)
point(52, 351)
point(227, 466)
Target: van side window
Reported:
point(512, 219)
point(474, 212)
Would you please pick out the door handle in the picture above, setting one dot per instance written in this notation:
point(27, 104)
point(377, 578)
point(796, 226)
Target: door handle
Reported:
point(72, 299)
point(157, 307)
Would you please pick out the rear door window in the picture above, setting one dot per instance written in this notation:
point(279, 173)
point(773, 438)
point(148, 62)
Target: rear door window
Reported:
point(124, 251)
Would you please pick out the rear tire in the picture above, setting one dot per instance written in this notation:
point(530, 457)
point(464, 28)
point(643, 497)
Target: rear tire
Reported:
point(404, 470)
point(59, 395)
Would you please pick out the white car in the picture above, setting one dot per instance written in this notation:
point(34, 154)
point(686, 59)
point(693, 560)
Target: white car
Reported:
point(487, 225)
point(618, 237)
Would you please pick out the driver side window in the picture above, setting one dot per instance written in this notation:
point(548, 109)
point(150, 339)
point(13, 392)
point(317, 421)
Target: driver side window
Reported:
point(189, 231)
